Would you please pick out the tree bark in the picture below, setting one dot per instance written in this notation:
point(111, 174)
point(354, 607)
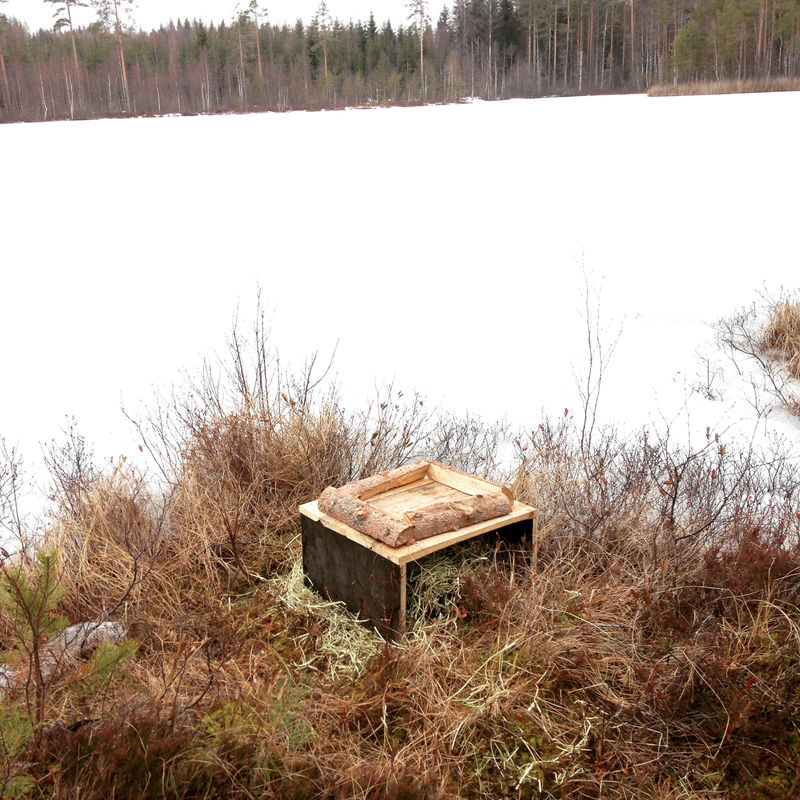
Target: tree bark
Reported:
point(555, 44)
point(349, 504)
point(118, 31)
point(365, 518)
point(566, 52)
point(634, 57)
point(422, 49)
point(74, 46)
point(443, 517)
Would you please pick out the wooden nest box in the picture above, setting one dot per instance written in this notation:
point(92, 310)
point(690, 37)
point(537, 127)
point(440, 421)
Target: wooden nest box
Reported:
point(358, 539)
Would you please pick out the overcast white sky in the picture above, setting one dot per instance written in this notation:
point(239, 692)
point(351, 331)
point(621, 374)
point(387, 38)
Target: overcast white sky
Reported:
point(149, 14)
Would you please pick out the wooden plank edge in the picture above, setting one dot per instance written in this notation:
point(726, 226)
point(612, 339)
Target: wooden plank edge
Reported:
point(456, 479)
point(393, 482)
point(403, 597)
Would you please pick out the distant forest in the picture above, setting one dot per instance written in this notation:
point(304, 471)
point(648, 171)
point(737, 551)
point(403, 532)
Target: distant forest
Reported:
point(477, 48)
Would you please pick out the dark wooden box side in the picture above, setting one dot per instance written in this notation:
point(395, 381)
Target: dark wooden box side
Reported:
point(512, 537)
point(518, 536)
point(342, 570)
point(516, 533)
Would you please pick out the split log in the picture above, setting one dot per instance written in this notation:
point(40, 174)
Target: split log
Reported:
point(388, 479)
point(349, 504)
point(363, 517)
point(444, 517)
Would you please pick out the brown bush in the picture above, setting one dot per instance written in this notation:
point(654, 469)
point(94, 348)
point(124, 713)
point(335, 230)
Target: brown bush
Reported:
point(755, 565)
point(111, 540)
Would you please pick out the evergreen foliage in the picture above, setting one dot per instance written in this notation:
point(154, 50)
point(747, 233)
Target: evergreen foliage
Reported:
point(478, 48)
point(29, 595)
point(16, 732)
point(105, 660)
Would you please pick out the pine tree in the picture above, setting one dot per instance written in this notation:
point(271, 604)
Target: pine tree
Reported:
point(508, 33)
point(108, 12)
point(64, 7)
point(419, 14)
point(253, 12)
point(15, 733)
point(28, 599)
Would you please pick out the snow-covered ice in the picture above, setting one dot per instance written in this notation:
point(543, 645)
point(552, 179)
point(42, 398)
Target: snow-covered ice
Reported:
point(425, 241)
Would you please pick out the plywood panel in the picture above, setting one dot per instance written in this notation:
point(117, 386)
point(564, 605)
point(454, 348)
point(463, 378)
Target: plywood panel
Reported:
point(342, 570)
point(415, 497)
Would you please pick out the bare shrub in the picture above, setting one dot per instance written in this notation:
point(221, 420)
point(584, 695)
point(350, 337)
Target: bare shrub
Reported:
point(755, 563)
point(247, 442)
point(773, 343)
point(238, 449)
point(11, 485)
point(243, 475)
point(72, 469)
point(592, 497)
point(649, 651)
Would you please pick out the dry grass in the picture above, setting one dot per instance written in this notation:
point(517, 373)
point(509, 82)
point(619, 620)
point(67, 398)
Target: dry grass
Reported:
point(782, 334)
point(647, 647)
point(777, 83)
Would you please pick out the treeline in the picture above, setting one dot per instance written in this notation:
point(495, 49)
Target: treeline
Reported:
point(476, 48)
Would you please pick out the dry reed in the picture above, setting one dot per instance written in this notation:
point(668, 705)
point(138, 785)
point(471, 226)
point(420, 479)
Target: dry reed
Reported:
point(782, 334)
point(775, 83)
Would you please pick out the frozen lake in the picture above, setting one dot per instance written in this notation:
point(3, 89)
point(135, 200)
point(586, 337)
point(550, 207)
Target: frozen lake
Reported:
point(425, 241)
